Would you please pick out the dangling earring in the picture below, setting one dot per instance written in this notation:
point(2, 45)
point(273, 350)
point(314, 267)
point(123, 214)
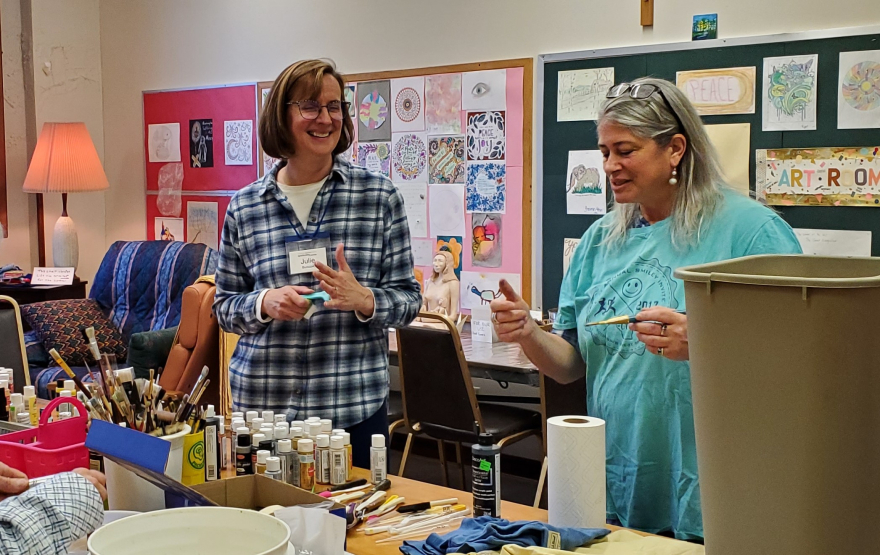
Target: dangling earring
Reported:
point(673, 180)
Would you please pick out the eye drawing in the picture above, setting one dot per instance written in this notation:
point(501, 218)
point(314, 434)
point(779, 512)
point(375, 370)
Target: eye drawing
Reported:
point(480, 89)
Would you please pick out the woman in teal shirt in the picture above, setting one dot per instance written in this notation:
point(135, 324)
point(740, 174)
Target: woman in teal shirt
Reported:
point(671, 209)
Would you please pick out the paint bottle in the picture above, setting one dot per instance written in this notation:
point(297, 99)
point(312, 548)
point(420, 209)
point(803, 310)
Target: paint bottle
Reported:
point(322, 459)
point(212, 445)
point(306, 450)
point(378, 456)
point(338, 461)
point(326, 426)
point(30, 399)
point(268, 416)
point(281, 419)
point(268, 445)
point(249, 416)
point(281, 431)
point(236, 415)
point(296, 434)
point(285, 454)
point(17, 413)
point(63, 407)
point(269, 431)
point(255, 446)
point(262, 455)
point(486, 477)
point(241, 430)
point(243, 461)
point(273, 468)
point(256, 424)
point(224, 445)
point(314, 429)
point(298, 423)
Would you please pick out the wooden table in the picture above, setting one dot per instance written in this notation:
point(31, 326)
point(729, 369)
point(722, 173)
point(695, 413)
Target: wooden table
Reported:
point(502, 362)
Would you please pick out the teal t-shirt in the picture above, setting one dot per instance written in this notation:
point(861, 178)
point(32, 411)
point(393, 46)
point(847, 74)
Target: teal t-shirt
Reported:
point(645, 399)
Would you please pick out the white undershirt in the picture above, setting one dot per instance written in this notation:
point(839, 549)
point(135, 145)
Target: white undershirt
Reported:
point(302, 197)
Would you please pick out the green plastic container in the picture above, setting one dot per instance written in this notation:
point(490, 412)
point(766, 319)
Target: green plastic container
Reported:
point(785, 373)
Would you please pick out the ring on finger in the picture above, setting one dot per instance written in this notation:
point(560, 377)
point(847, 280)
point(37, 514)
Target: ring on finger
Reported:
point(663, 330)
point(660, 351)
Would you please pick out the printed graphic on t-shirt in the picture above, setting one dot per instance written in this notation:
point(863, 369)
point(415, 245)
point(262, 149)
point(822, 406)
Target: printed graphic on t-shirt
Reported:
point(644, 284)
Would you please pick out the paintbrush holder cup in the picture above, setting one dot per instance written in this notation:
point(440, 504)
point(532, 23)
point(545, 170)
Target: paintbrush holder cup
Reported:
point(126, 491)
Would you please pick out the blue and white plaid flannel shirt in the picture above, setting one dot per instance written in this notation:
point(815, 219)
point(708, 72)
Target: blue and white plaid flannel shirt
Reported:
point(332, 365)
point(47, 518)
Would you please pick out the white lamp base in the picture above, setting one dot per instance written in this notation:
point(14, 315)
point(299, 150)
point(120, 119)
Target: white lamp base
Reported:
point(65, 246)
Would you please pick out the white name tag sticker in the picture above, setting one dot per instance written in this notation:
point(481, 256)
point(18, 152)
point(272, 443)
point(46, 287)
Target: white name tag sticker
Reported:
point(301, 262)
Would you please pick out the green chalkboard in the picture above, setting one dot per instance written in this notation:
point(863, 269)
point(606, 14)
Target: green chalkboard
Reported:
point(558, 138)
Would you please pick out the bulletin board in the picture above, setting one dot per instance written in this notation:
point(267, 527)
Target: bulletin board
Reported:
point(199, 149)
point(821, 59)
point(456, 140)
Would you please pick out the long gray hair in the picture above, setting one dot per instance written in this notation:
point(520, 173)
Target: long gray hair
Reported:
point(700, 183)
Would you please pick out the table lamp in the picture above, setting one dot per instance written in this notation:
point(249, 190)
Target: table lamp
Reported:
point(65, 161)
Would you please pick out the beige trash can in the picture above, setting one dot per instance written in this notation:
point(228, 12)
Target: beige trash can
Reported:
point(785, 373)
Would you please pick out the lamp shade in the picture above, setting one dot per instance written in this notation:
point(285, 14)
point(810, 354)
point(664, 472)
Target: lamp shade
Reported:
point(65, 161)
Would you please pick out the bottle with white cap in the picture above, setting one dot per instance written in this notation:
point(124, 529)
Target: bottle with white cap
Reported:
point(378, 456)
point(262, 455)
point(306, 450)
point(17, 413)
point(281, 431)
point(346, 439)
point(236, 415)
point(287, 456)
point(338, 461)
point(255, 446)
point(250, 415)
point(256, 424)
point(273, 468)
point(298, 423)
point(268, 430)
point(64, 407)
point(279, 418)
point(30, 400)
point(268, 416)
point(213, 449)
point(314, 430)
point(326, 426)
point(70, 385)
point(296, 433)
point(322, 459)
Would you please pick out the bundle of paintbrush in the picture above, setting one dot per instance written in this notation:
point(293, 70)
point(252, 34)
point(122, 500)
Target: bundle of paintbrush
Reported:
point(115, 397)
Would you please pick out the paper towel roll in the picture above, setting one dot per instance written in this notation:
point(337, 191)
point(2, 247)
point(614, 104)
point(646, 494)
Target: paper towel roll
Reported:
point(576, 471)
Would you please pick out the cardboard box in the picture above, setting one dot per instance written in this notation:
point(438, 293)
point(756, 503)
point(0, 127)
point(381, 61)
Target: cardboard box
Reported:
point(257, 491)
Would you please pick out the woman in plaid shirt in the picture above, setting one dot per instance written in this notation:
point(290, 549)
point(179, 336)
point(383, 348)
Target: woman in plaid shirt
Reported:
point(315, 223)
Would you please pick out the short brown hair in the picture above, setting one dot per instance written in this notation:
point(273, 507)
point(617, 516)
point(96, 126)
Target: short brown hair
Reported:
point(275, 136)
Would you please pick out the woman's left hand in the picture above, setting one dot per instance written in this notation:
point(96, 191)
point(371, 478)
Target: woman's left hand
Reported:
point(344, 290)
point(668, 338)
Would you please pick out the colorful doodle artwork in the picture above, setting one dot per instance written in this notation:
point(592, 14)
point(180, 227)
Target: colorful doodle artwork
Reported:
point(454, 246)
point(349, 97)
point(846, 176)
point(408, 104)
point(443, 103)
point(486, 240)
point(446, 159)
point(480, 289)
point(861, 86)
point(790, 93)
point(486, 187)
point(373, 110)
point(485, 136)
point(409, 158)
point(376, 157)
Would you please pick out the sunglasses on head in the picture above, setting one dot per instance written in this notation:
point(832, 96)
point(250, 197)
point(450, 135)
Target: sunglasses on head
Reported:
point(643, 91)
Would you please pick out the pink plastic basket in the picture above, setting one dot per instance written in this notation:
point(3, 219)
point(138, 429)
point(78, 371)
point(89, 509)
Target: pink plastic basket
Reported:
point(52, 447)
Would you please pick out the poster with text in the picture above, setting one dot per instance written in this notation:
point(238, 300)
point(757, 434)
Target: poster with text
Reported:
point(486, 187)
point(201, 143)
point(729, 90)
point(409, 157)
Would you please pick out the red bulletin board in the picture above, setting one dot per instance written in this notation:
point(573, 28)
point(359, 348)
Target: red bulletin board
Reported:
point(224, 103)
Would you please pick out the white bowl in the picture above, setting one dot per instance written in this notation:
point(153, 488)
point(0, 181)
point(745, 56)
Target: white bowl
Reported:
point(194, 531)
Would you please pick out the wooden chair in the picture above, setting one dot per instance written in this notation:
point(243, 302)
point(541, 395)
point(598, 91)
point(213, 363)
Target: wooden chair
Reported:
point(558, 400)
point(395, 412)
point(12, 351)
point(439, 400)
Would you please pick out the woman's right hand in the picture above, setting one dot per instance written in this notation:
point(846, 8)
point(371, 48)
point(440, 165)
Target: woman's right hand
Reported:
point(286, 303)
point(511, 317)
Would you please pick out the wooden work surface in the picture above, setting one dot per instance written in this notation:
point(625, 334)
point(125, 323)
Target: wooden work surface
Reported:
point(503, 362)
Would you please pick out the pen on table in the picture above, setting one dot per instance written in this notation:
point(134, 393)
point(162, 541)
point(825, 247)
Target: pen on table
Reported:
point(626, 319)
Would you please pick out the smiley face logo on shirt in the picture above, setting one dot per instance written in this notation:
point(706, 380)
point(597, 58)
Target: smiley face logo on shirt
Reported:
point(644, 284)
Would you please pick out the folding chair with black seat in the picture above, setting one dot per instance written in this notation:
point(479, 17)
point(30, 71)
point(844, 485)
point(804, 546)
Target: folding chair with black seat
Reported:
point(12, 350)
point(558, 400)
point(439, 400)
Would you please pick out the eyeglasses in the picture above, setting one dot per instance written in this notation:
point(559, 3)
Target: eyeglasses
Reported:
point(311, 109)
point(643, 91)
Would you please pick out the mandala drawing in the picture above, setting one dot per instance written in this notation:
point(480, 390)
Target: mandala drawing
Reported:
point(861, 86)
point(407, 105)
point(485, 136)
point(373, 110)
point(409, 157)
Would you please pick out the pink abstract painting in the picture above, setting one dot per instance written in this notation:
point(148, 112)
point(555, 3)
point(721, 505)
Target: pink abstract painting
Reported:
point(443, 103)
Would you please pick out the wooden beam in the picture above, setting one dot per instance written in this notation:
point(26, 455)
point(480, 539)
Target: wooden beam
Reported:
point(647, 13)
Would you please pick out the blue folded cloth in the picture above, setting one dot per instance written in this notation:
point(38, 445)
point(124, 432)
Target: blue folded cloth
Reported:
point(490, 534)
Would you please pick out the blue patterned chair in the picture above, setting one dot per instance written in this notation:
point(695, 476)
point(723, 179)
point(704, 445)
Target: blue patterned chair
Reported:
point(138, 287)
